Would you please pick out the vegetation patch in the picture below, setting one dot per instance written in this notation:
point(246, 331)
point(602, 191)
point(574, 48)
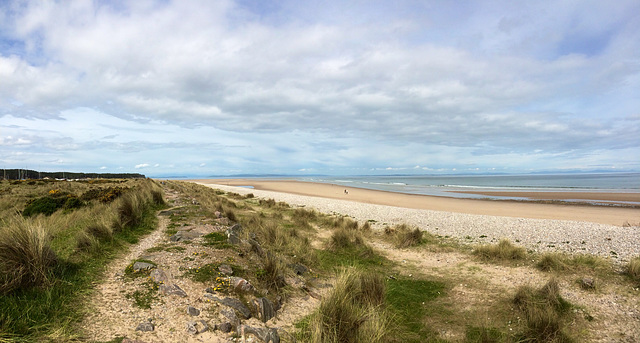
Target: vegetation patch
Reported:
point(217, 240)
point(501, 251)
point(205, 273)
point(146, 296)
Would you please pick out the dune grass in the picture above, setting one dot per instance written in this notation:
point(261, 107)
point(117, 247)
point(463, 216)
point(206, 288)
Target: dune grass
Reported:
point(503, 251)
point(49, 261)
point(632, 269)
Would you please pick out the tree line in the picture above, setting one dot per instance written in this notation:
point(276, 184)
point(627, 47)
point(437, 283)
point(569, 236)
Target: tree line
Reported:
point(23, 174)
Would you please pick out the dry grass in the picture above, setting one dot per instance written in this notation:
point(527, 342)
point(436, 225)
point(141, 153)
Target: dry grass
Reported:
point(403, 236)
point(544, 311)
point(501, 251)
point(633, 269)
point(26, 257)
point(354, 311)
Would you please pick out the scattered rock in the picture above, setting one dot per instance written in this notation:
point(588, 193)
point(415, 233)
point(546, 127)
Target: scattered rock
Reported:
point(159, 276)
point(172, 289)
point(185, 235)
point(233, 303)
point(240, 284)
point(145, 327)
point(224, 327)
point(267, 335)
point(587, 283)
point(217, 214)
point(210, 290)
point(225, 269)
point(233, 234)
point(140, 266)
point(197, 327)
point(231, 316)
point(299, 269)
point(264, 309)
point(192, 311)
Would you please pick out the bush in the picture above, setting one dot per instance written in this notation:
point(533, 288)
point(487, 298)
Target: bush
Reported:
point(26, 258)
point(543, 310)
point(46, 205)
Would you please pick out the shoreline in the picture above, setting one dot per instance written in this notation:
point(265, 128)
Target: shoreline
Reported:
point(610, 215)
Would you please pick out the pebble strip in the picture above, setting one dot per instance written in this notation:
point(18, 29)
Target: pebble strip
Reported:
point(538, 235)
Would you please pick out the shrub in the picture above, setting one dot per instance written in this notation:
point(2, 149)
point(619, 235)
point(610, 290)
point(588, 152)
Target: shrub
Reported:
point(26, 258)
point(405, 237)
point(272, 273)
point(502, 251)
point(46, 205)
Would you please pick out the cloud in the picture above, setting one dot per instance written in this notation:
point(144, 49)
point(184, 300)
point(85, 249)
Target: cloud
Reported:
point(142, 165)
point(290, 85)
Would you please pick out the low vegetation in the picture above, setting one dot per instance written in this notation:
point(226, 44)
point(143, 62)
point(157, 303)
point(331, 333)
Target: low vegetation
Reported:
point(55, 237)
point(503, 251)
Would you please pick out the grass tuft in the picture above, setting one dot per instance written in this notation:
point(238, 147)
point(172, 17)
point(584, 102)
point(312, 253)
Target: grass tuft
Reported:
point(501, 251)
point(633, 269)
point(26, 257)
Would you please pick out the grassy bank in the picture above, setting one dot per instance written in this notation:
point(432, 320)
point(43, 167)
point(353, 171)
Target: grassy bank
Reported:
point(55, 239)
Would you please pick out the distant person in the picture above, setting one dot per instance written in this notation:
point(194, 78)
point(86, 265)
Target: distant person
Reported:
point(346, 191)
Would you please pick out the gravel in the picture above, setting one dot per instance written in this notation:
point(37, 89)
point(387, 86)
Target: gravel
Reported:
point(538, 235)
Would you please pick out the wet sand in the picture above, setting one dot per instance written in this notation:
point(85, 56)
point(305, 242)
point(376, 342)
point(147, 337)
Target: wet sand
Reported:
point(610, 215)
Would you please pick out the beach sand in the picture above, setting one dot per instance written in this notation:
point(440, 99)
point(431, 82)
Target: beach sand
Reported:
point(609, 215)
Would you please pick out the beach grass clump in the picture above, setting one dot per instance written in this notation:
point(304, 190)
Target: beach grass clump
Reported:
point(355, 311)
point(558, 262)
point(632, 269)
point(273, 271)
point(474, 334)
point(26, 257)
point(544, 311)
point(404, 236)
point(504, 250)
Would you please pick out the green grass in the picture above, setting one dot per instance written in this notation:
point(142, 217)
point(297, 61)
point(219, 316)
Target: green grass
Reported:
point(217, 240)
point(206, 273)
point(46, 309)
point(146, 296)
point(411, 300)
point(503, 251)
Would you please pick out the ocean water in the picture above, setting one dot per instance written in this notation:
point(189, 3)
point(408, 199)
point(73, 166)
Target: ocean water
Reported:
point(445, 185)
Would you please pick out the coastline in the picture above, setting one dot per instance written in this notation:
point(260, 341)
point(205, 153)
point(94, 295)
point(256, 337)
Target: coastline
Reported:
point(609, 215)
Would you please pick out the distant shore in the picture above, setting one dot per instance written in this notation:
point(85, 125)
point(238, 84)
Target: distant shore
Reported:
point(611, 215)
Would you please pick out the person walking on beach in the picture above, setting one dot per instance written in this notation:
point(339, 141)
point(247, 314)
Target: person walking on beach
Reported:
point(346, 191)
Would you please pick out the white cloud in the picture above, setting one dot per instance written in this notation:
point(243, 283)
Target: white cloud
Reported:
point(142, 165)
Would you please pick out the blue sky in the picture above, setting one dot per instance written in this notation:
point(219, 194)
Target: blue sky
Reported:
point(331, 87)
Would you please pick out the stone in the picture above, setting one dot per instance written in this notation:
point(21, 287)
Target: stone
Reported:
point(225, 269)
point(240, 285)
point(217, 214)
point(159, 276)
point(233, 303)
point(185, 235)
point(210, 290)
point(224, 327)
point(196, 327)
point(264, 309)
point(299, 269)
point(145, 327)
point(233, 234)
point(192, 311)
point(267, 335)
point(587, 283)
point(230, 314)
point(172, 289)
point(140, 266)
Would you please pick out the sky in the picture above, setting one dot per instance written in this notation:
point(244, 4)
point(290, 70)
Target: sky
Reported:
point(179, 88)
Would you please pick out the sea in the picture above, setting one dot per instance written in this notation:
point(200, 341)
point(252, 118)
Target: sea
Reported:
point(447, 185)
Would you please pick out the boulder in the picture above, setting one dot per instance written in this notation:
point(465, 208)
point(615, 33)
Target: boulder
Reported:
point(240, 285)
point(224, 327)
point(172, 289)
point(299, 269)
point(233, 234)
point(230, 314)
point(185, 235)
point(233, 303)
point(225, 269)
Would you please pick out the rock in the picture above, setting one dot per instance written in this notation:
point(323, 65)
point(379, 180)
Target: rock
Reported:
point(264, 309)
point(159, 276)
point(166, 213)
point(587, 283)
point(197, 327)
point(145, 327)
point(231, 316)
point(299, 269)
point(224, 327)
point(185, 235)
point(240, 285)
point(140, 266)
point(233, 234)
point(233, 303)
point(192, 311)
point(210, 290)
point(225, 269)
point(172, 289)
point(267, 335)
point(217, 214)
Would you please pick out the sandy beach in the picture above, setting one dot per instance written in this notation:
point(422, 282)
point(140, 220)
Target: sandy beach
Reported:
point(609, 215)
